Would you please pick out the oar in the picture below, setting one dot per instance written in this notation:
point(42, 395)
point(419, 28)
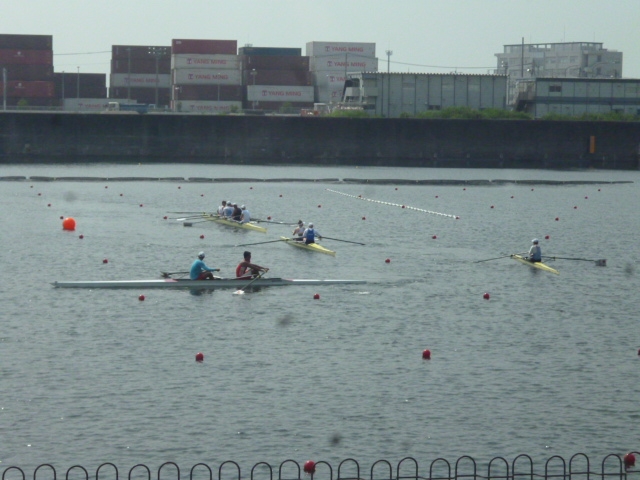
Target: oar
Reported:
point(241, 291)
point(489, 259)
point(602, 260)
point(182, 219)
point(168, 274)
point(271, 221)
point(259, 243)
point(339, 240)
point(184, 213)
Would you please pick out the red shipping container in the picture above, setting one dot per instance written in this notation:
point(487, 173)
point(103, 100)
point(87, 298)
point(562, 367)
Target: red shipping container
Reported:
point(28, 72)
point(223, 47)
point(208, 92)
point(25, 57)
point(278, 77)
point(29, 89)
point(275, 62)
point(26, 42)
point(141, 65)
point(125, 52)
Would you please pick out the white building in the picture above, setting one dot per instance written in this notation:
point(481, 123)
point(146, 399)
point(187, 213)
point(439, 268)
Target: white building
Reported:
point(521, 62)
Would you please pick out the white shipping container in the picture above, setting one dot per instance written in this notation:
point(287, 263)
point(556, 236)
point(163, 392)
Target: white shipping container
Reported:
point(192, 60)
point(85, 104)
point(328, 77)
point(204, 106)
point(329, 94)
point(279, 93)
point(140, 80)
point(329, 48)
point(206, 76)
point(344, 63)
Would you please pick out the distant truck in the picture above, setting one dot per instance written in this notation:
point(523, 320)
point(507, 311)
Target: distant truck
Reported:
point(128, 107)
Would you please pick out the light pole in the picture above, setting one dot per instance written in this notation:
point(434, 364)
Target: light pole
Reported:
point(253, 74)
point(4, 89)
point(63, 90)
point(128, 75)
point(156, 52)
point(78, 85)
point(389, 53)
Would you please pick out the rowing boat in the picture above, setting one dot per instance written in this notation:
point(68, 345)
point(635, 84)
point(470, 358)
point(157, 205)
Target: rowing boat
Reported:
point(539, 265)
point(202, 284)
point(314, 247)
point(233, 223)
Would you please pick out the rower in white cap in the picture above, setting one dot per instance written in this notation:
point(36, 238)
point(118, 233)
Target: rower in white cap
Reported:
point(535, 253)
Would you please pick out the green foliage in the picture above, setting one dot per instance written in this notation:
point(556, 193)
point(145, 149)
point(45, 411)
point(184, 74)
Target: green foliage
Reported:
point(234, 109)
point(467, 113)
point(349, 114)
point(22, 103)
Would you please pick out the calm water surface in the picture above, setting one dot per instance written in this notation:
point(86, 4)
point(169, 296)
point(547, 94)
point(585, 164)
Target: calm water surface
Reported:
point(547, 366)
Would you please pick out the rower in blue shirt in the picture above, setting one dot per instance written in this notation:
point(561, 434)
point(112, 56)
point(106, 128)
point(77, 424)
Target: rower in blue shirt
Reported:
point(200, 271)
point(310, 235)
point(535, 253)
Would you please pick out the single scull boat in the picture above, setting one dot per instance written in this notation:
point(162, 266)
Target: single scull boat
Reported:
point(314, 247)
point(539, 265)
point(201, 284)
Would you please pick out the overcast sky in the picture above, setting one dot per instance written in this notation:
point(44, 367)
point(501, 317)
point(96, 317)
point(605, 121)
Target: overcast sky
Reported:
point(425, 35)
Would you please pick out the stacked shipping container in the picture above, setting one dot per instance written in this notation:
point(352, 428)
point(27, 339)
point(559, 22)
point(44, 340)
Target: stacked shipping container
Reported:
point(331, 61)
point(276, 77)
point(205, 76)
point(28, 63)
point(141, 74)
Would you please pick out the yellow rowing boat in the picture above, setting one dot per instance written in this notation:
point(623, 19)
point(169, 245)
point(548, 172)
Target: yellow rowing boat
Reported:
point(314, 247)
point(538, 265)
point(233, 223)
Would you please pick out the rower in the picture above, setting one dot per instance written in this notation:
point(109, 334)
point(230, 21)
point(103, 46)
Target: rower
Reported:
point(200, 271)
point(310, 235)
point(535, 252)
point(245, 217)
point(248, 270)
point(237, 213)
point(221, 208)
point(299, 231)
point(228, 210)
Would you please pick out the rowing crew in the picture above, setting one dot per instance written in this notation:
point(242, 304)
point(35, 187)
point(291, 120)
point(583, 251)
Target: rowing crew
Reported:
point(244, 270)
point(535, 252)
point(231, 211)
point(308, 235)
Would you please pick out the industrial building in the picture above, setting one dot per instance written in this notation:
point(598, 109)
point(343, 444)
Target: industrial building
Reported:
point(524, 61)
point(398, 94)
point(578, 96)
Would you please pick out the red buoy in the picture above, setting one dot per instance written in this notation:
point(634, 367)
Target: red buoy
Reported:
point(434, 237)
point(250, 188)
point(106, 186)
point(575, 207)
point(141, 298)
point(486, 296)
point(202, 194)
point(491, 206)
point(464, 189)
point(319, 206)
point(141, 205)
point(316, 296)
point(557, 219)
point(81, 237)
point(280, 195)
point(269, 218)
point(546, 237)
point(61, 217)
point(426, 354)
point(105, 260)
point(388, 260)
point(364, 218)
point(121, 195)
point(309, 466)
point(403, 206)
point(436, 196)
point(69, 223)
point(165, 217)
point(629, 460)
point(199, 357)
point(396, 188)
point(179, 187)
point(511, 196)
point(48, 204)
point(201, 237)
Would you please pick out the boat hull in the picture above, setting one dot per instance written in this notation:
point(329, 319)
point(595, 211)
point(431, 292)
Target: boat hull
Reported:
point(232, 223)
point(314, 247)
point(538, 265)
point(202, 284)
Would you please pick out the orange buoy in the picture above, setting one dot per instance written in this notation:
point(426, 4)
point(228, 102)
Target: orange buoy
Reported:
point(199, 357)
point(309, 466)
point(69, 223)
point(316, 296)
point(486, 296)
point(426, 354)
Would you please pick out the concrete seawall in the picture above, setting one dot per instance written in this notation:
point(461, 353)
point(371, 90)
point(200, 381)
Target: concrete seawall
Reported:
point(277, 140)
